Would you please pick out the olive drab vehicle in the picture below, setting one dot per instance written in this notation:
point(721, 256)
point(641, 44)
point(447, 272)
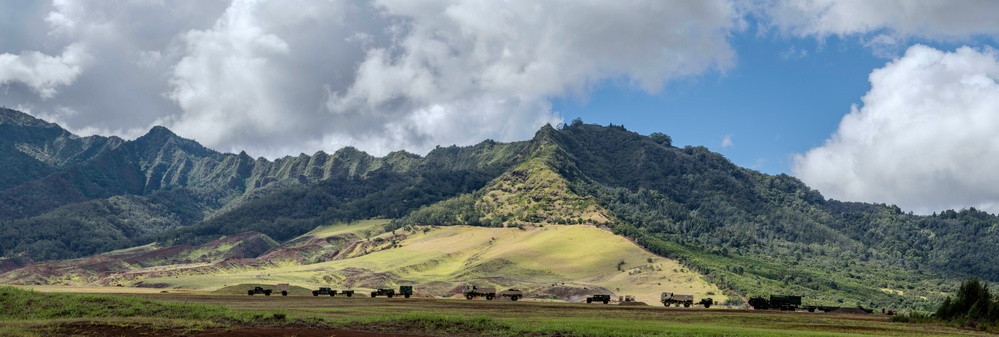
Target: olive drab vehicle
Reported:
point(324, 291)
point(406, 291)
point(777, 302)
point(259, 290)
point(599, 298)
point(513, 294)
point(471, 291)
point(387, 292)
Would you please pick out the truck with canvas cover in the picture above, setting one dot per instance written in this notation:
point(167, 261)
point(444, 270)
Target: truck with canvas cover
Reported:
point(472, 291)
point(671, 298)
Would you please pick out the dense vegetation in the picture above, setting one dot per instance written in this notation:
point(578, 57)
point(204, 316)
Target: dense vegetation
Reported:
point(63, 196)
point(974, 305)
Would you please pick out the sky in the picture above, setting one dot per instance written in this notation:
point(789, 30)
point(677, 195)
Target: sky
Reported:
point(885, 101)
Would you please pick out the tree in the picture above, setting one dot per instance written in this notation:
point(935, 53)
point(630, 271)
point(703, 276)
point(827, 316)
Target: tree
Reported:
point(661, 139)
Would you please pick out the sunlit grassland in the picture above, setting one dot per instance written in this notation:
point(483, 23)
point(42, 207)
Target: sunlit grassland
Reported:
point(356, 228)
point(579, 255)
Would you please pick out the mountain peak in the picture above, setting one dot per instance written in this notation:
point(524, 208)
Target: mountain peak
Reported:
point(160, 130)
point(159, 137)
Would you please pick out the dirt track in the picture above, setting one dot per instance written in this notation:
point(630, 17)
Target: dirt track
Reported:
point(114, 331)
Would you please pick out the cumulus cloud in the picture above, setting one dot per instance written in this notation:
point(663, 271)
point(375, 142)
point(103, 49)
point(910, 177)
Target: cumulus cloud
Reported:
point(924, 139)
point(43, 73)
point(281, 77)
point(885, 24)
point(462, 71)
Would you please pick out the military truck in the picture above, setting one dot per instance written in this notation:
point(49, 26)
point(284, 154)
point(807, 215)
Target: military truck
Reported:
point(259, 290)
point(406, 291)
point(283, 288)
point(670, 298)
point(387, 292)
point(472, 291)
point(513, 294)
point(348, 292)
point(599, 298)
point(324, 291)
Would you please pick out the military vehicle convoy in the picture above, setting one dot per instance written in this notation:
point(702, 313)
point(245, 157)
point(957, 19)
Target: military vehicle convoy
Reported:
point(668, 298)
point(599, 298)
point(472, 291)
point(259, 290)
point(793, 303)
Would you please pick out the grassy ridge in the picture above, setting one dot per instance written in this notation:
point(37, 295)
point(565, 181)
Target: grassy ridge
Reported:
point(533, 258)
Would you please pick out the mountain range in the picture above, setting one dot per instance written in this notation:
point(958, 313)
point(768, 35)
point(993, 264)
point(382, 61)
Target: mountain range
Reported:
point(63, 196)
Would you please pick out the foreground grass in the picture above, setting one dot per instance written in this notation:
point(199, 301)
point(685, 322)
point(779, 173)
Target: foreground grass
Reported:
point(20, 304)
point(30, 313)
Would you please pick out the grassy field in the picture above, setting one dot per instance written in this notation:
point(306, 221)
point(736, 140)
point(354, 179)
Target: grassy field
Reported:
point(194, 312)
point(436, 260)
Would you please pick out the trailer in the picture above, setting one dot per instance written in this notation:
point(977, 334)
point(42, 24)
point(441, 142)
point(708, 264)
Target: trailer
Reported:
point(283, 288)
point(513, 294)
point(406, 291)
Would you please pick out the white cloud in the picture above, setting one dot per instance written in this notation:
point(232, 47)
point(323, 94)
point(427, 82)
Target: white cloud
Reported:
point(462, 71)
point(43, 73)
point(727, 141)
point(924, 139)
point(885, 25)
point(281, 77)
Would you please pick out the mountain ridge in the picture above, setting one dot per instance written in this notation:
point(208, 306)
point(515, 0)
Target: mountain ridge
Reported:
point(743, 230)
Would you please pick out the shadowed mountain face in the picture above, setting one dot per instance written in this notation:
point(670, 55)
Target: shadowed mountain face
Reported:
point(63, 196)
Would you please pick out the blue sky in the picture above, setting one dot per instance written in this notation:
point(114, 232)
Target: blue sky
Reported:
point(889, 101)
point(784, 96)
